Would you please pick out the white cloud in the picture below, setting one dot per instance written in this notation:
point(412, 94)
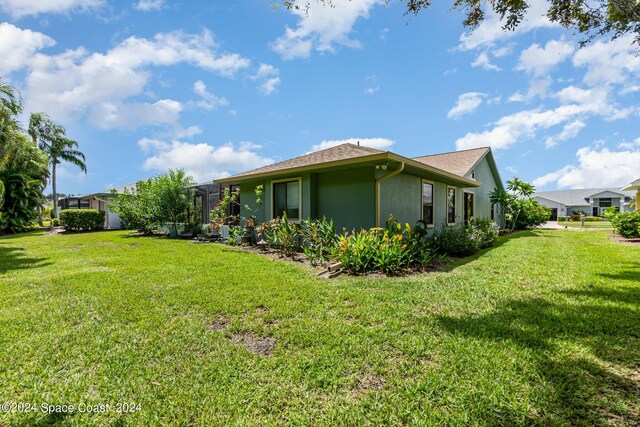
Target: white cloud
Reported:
point(209, 101)
point(371, 90)
point(202, 161)
point(483, 61)
point(467, 103)
point(19, 8)
point(269, 77)
point(595, 168)
point(148, 5)
point(609, 62)
point(490, 29)
point(136, 114)
point(630, 145)
point(539, 60)
point(575, 103)
point(75, 83)
point(17, 46)
point(379, 143)
point(322, 28)
point(570, 131)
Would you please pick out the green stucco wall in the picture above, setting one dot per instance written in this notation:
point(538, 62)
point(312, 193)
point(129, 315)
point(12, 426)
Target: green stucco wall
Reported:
point(401, 195)
point(347, 197)
point(484, 175)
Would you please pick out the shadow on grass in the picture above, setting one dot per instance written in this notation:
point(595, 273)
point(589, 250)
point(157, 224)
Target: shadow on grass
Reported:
point(13, 258)
point(502, 240)
point(580, 390)
point(631, 273)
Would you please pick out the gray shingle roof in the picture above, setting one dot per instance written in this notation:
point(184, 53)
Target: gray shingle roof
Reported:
point(578, 197)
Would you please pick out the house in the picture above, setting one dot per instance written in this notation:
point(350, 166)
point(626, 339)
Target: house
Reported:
point(359, 187)
point(593, 201)
point(99, 201)
point(634, 187)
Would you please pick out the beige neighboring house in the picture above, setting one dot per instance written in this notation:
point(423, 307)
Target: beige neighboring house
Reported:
point(634, 186)
point(98, 201)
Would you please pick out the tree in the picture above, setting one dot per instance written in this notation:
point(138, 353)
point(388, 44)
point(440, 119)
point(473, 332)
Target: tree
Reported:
point(173, 196)
point(23, 176)
point(161, 200)
point(520, 209)
point(52, 139)
point(589, 18)
point(10, 107)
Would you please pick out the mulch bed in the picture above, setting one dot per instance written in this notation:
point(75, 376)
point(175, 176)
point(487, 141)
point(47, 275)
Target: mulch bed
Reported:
point(623, 240)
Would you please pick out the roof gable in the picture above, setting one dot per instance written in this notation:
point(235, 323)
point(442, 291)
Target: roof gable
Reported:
point(332, 154)
point(457, 162)
point(607, 194)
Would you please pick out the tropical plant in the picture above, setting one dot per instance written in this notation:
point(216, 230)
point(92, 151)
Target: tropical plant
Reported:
point(632, 203)
point(10, 107)
point(52, 139)
point(319, 239)
point(484, 231)
point(23, 174)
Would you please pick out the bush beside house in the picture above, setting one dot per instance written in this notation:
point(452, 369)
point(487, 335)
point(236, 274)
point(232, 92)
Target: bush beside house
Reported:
point(627, 224)
point(82, 219)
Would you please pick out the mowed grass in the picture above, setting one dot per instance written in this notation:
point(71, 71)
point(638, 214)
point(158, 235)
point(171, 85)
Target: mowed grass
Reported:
point(543, 329)
point(587, 224)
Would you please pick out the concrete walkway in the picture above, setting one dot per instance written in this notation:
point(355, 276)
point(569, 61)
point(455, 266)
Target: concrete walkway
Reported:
point(552, 225)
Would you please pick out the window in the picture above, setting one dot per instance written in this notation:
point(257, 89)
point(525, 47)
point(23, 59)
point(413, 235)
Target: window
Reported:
point(427, 203)
point(492, 213)
point(473, 174)
point(451, 205)
point(605, 203)
point(469, 202)
point(234, 208)
point(286, 198)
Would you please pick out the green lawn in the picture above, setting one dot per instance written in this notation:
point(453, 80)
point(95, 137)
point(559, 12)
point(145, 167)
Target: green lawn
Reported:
point(543, 329)
point(587, 224)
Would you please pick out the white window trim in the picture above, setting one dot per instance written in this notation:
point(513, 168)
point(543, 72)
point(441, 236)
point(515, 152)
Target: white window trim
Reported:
point(433, 200)
point(446, 205)
point(464, 204)
point(273, 196)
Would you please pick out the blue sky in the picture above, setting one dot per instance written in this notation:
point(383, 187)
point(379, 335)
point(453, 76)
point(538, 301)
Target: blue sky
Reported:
point(221, 87)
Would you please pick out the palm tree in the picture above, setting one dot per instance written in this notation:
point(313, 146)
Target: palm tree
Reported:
point(632, 203)
point(52, 139)
point(10, 107)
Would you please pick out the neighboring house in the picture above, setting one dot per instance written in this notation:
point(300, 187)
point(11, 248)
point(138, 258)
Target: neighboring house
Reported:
point(99, 201)
point(634, 187)
point(359, 187)
point(593, 201)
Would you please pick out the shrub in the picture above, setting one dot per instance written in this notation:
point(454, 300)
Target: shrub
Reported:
point(47, 213)
point(531, 214)
point(484, 231)
point(282, 235)
point(82, 219)
point(319, 239)
point(627, 224)
point(593, 219)
point(55, 222)
point(456, 241)
point(390, 250)
point(562, 218)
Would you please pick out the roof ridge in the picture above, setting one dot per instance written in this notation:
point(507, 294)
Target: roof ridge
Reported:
point(453, 152)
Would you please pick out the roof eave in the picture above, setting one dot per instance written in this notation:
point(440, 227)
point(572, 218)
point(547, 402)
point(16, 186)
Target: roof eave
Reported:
point(386, 155)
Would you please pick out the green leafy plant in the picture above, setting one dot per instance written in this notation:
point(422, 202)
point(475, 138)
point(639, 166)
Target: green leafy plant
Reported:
point(82, 219)
point(319, 239)
point(484, 231)
point(456, 241)
point(627, 224)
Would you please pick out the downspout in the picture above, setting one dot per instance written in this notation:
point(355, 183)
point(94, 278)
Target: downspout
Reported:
point(378, 182)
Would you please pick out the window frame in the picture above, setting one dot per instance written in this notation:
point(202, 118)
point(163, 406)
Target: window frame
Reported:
point(273, 197)
point(433, 204)
point(446, 212)
point(464, 204)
